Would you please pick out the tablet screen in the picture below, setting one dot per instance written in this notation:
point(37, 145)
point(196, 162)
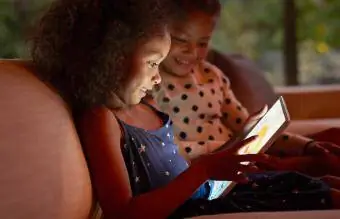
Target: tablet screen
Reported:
point(266, 128)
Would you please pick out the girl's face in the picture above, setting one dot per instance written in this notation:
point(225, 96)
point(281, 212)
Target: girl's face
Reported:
point(144, 69)
point(190, 39)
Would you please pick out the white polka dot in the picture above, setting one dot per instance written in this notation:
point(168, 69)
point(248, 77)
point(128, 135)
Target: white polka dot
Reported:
point(167, 173)
point(137, 179)
point(163, 144)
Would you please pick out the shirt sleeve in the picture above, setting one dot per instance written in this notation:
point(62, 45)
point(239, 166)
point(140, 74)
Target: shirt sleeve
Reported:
point(234, 115)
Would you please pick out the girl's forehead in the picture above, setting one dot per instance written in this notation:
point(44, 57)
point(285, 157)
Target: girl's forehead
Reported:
point(194, 23)
point(156, 45)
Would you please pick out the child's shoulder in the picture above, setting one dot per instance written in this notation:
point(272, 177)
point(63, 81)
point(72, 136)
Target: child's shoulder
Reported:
point(208, 67)
point(95, 117)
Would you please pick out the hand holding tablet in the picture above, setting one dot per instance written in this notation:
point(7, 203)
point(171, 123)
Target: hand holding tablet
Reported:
point(267, 129)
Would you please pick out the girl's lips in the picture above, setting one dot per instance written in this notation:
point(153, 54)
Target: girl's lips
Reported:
point(184, 63)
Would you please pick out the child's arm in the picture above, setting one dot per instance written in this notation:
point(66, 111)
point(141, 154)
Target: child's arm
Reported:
point(101, 140)
point(101, 136)
point(234, 115)
point(289, 144)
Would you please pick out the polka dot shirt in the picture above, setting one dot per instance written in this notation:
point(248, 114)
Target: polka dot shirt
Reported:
point(203, 108)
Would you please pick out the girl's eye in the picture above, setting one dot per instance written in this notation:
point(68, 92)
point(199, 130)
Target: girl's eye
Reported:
point(178, 40)
point(152, 64)
point(203, 45)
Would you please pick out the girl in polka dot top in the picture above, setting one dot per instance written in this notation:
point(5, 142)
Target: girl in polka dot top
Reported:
point(198, 96)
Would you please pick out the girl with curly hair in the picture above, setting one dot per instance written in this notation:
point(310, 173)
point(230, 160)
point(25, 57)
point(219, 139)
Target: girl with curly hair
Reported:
point(102, 56)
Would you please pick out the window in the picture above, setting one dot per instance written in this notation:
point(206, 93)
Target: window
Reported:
point(256, 29)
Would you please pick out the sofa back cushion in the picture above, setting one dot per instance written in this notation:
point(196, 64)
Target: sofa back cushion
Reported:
point(43, 173)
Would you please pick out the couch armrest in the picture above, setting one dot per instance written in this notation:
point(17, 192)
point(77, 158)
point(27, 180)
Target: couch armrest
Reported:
point(312, 102)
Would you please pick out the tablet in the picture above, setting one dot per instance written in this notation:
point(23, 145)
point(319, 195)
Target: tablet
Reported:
point(268, 128)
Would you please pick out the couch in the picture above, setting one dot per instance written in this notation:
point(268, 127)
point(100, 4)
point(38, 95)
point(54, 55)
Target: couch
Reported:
point(43, 169)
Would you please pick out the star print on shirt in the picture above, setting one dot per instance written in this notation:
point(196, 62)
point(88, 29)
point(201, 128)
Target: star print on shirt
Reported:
point(142, 149)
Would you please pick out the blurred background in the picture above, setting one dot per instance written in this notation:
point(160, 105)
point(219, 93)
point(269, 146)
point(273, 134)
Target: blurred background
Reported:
point(295, 42)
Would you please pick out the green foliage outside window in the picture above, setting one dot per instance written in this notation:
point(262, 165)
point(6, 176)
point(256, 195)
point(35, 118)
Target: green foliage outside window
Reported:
point(250, 27)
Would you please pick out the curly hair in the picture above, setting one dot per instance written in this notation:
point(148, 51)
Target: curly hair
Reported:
point(83, 47)
point(183, 7)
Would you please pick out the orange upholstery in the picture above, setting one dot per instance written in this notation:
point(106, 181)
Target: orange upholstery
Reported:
point(43, 173)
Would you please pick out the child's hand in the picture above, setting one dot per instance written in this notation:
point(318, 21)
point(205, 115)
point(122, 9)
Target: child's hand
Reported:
point(320, 147)
point(311, 165)
point(227, 165)
point(332, 148)
point(253, 119)
point(287, 163)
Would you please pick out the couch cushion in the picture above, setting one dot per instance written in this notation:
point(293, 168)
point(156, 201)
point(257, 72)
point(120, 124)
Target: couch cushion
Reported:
point(43, 170)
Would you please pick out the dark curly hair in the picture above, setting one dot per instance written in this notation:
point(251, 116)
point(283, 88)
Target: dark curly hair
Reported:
point(183, 7)
point(83, 47)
